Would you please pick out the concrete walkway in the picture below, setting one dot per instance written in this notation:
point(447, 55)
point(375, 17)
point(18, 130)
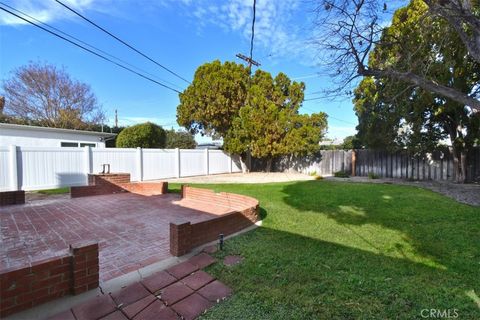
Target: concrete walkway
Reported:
point(253, 177)
point(183, 291)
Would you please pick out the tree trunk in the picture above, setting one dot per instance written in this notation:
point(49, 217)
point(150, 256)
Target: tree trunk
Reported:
point(268, 167)
point(245, 162)
point(459, 165)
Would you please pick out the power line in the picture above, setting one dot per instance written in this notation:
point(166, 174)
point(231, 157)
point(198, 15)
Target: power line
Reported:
point(123, 42)
point(253, 29)
point(89, 50)
point(87, 44)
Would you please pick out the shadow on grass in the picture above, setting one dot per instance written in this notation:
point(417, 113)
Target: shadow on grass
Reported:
point(289, 276)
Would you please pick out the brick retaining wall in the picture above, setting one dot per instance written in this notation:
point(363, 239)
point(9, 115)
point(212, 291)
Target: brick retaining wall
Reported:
point(46, 280)
point(184, 236)
point(100, 184)
point(12, 197)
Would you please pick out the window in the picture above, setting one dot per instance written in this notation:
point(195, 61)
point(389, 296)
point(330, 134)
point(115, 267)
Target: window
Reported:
point(87, 145)
point(69, 144)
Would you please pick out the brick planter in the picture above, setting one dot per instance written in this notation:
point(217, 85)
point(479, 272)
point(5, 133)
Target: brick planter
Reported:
point(184, 236)
point(46, 280)
point(111, 183)
point(12, 197)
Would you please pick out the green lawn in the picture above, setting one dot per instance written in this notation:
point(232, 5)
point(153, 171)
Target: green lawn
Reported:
point(54, 191)
point(334, 250)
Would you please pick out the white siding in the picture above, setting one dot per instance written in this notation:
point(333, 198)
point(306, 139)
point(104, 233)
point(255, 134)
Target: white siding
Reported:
point(39, 138)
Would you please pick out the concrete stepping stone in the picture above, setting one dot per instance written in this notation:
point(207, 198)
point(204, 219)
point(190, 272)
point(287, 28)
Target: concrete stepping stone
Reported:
point(117, 315)
point(95, 308)
point(157, 311)
point(133, 309)
point(198, 279)
point(215, 291)
point(192, 306)
point(232, 260)
point(202, 260)
point(175, 292)
point(182, 270)
point(130, 294)
point(158, 281)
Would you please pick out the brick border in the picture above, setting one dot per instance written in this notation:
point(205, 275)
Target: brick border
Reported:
point(49, 279)
point(12, 197)
point(184, 235)
point(111, 183)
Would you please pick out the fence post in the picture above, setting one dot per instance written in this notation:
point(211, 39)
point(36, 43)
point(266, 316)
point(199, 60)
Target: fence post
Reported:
point(354, 163)
point(87, 153)
point(230, 163)
point(206, 161)
point(177, 162)
point(140, 163)
point(13, 168)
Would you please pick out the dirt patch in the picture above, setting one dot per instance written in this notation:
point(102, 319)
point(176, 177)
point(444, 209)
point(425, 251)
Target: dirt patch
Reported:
point(464, 193)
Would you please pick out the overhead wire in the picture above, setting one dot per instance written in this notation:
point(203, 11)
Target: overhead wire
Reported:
point(89, 45)
point(122, 41)
point(89, 50)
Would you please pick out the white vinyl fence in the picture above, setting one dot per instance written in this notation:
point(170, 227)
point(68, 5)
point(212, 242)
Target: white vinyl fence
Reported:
point(36, 168)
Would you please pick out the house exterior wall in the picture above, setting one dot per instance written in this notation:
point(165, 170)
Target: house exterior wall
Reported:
point(39, 138)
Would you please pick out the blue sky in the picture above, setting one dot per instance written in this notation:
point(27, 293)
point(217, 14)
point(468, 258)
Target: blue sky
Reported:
point(180, 34)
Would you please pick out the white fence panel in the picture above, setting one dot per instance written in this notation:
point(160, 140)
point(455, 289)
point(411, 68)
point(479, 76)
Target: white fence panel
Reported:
point(159, 164)
point(218, 162)
point(44, 168)
point(120, 160)
point(5, 172)
point(192, 163)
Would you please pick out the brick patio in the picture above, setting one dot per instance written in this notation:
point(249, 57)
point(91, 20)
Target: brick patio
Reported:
point(183, 291)
point(132, 230)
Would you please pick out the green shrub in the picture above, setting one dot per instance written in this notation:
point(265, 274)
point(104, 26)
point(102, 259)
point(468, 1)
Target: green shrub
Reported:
point(180, 139)
point(341, 174)
point(313, 173)
point(145, 135)
point(372, 175)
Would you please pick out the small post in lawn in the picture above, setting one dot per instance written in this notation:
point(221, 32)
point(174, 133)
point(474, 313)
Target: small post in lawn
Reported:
point(220, 241)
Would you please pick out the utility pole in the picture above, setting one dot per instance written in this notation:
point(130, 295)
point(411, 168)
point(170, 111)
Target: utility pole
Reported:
point(116, 119)
point(250, 61)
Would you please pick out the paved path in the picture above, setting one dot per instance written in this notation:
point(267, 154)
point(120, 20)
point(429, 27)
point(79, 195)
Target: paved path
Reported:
point(253, 177)
point(132, 230)
point(183, 291)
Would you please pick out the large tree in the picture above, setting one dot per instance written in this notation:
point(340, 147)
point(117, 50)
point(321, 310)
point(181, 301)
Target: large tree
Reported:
point(396, 114)
point(269, 124)
point(46, 95)
point(255, 115)
point(350, 29)
point(179, 139)
point(216, 94)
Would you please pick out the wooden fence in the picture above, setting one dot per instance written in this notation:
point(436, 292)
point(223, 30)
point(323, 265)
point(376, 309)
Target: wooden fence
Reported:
point(433, 166)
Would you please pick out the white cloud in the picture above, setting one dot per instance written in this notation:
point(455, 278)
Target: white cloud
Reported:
point(281, 27)
point(44, 11)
